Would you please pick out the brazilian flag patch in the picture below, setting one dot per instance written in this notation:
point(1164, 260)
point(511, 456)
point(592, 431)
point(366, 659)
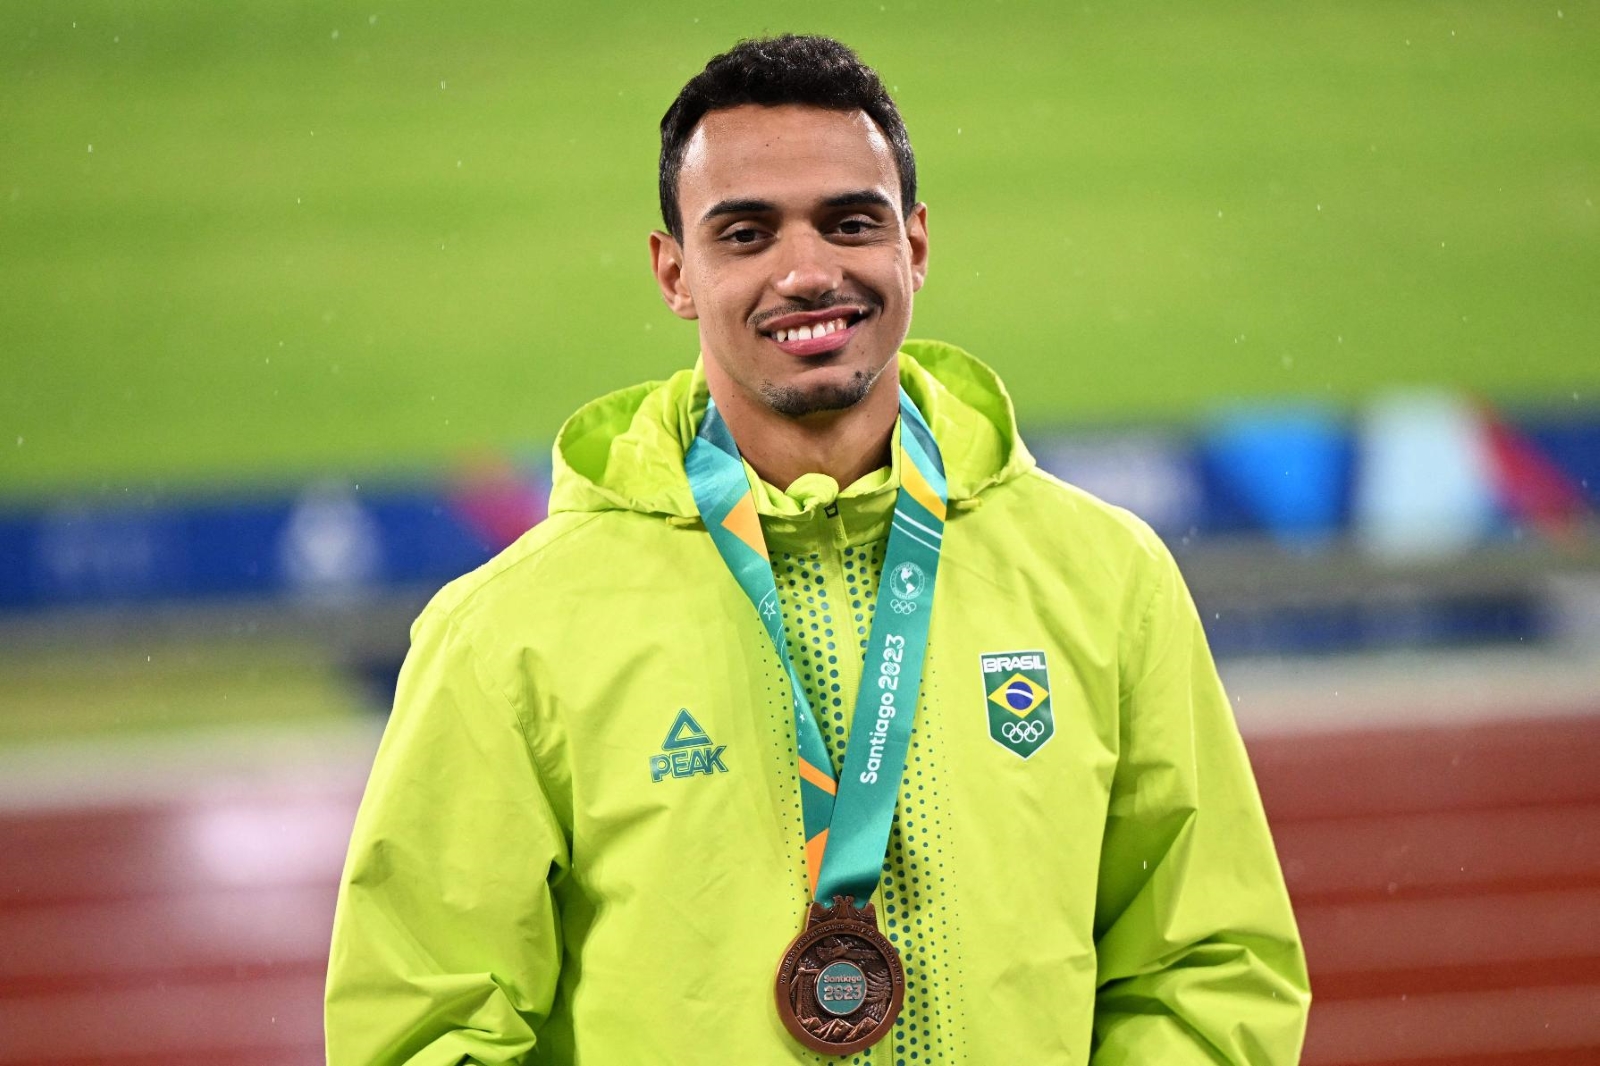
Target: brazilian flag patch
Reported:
point(1017, 684)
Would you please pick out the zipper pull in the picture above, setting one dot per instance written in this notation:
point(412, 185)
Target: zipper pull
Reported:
point(840, 537)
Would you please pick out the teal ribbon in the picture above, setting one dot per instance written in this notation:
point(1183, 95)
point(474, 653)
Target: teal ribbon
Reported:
point(847, 818)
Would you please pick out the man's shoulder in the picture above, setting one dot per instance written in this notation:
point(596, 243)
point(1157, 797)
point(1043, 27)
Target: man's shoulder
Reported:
point(560, 553)
point(1046, 506)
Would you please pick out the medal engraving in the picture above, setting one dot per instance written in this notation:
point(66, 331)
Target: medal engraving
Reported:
point(840, 985)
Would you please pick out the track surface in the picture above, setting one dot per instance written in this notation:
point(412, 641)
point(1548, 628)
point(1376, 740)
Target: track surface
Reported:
point(1446, 879)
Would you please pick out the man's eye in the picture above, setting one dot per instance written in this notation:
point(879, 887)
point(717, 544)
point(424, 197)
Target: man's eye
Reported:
point(744, 235)
point(855, 227)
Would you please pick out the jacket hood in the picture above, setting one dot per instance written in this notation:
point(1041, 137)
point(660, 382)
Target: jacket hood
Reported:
point(625, 451)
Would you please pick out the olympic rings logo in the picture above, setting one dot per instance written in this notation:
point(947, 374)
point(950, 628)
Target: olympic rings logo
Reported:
point(1023, 732)
point(902, 606)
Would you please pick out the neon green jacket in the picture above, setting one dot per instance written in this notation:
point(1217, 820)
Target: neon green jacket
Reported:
point(581, 840)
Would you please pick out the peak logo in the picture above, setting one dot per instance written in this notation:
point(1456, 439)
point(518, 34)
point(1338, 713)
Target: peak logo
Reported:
point(1017, 687)
point(687, 751)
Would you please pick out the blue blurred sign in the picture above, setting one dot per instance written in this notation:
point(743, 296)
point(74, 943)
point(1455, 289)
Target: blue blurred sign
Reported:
point(1299, 476)
point(329, 539)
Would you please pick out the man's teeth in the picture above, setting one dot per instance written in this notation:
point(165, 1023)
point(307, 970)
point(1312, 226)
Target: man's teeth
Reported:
point(805, 333)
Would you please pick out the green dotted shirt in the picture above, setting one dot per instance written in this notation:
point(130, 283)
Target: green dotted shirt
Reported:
point(828, 600)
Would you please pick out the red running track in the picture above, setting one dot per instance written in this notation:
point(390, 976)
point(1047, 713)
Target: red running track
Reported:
point(1447, 882)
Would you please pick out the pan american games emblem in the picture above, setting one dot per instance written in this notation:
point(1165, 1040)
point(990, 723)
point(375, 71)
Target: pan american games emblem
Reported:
point(906, 585)
point(1017, 684)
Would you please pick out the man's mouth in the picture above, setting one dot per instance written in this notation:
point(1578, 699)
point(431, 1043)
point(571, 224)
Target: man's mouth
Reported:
point(817, 332)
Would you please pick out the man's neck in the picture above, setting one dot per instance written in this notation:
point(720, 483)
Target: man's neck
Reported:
point(845, 445)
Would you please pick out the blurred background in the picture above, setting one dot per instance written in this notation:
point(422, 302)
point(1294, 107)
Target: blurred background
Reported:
point(295, 296)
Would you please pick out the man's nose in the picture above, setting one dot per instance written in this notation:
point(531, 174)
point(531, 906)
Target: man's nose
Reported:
point(808, 266)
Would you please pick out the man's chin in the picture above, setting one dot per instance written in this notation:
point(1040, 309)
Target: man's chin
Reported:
point(798, 400)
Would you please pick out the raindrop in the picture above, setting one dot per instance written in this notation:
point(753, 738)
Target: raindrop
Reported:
point(91, 149)
point(372, 20)
point(334, 36)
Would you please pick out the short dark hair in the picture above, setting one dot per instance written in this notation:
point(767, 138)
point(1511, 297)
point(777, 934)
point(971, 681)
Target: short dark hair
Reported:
point(771, 71)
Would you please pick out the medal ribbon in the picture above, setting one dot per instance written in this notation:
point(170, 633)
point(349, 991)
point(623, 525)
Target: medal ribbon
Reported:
point(847, 819)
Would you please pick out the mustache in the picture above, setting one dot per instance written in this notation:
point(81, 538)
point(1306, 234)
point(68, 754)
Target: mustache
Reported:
point(822, 303)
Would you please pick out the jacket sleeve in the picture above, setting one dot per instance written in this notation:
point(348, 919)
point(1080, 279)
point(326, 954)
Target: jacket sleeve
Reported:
point(446, 942)
point(1199, 958)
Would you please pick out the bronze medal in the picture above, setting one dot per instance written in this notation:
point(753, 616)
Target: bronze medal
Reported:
point(840, 985)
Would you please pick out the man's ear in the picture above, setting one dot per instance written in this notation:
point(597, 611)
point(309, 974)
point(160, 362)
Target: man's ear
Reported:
point(917, 237)
point(666, 260)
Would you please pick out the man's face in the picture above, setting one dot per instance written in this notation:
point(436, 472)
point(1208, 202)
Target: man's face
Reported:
point(796, 257)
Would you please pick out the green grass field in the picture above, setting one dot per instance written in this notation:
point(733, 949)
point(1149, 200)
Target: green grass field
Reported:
point(244, 242)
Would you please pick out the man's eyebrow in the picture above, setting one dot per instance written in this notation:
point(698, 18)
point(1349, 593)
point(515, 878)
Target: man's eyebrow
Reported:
point(737, 207)
point(860, 198)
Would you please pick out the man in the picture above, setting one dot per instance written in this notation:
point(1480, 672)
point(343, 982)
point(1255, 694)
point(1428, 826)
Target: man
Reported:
point(629, 808)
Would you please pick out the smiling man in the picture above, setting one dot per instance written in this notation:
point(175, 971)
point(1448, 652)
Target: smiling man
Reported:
point(797, 246)
point(815, 721)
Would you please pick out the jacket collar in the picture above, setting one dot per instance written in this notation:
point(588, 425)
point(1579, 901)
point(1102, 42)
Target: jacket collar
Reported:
point(625, 451)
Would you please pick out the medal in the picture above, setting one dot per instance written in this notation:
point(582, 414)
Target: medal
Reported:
point(840, 984)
